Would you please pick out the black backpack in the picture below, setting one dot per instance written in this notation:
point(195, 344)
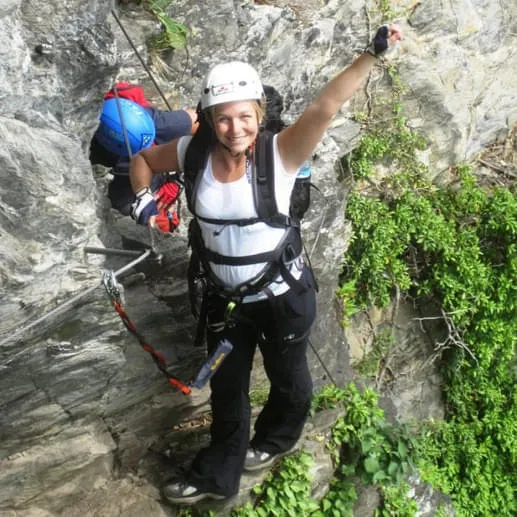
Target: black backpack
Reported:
point(273, 123)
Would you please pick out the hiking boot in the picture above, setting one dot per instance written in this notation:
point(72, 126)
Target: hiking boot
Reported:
point(183, 493)
point(256, 459)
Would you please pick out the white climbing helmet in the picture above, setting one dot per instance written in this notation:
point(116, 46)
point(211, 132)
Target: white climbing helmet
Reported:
point(233, 81)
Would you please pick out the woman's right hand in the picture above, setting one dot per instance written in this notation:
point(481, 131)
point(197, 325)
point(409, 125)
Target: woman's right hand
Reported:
point(144, 206)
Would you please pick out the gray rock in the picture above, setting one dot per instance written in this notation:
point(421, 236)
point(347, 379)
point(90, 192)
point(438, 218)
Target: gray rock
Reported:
point(85, 415)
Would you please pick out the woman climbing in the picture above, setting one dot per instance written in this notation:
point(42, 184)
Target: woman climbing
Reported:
point(260, 291)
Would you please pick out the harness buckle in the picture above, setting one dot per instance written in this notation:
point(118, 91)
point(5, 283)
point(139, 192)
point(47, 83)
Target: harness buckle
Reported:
point(229, 311)
point(289, 254)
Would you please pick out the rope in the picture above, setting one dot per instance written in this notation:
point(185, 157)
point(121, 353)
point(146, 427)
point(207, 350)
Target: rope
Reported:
point(324, 366)
point(309, 256)
point(208, 368)
point(122, 123)
point(158, 358)
point(147, 69)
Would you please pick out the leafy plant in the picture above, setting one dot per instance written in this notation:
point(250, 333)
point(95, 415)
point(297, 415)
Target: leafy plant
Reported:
point(347, 295)
point(285, 492)
point(341, 496)
point(379, 451)
point(396, 503)
point(458, 246)
point(173, 34)
point(329, 396)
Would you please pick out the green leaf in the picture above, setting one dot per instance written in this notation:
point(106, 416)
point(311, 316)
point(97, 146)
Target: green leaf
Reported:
point(402, 449)
point(289, 493)
point(366, 445)
point(380, 475)
point(371, 464)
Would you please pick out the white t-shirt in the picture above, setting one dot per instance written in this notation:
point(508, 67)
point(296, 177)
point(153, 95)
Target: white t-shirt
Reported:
point(234, 200)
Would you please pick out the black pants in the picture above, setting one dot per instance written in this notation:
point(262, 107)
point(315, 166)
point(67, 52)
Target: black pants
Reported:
point(280, 326)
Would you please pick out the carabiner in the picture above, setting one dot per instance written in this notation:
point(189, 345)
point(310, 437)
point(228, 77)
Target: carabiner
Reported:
point(113, 288)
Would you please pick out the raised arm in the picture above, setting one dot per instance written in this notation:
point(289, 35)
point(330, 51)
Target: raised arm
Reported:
point(297, 142)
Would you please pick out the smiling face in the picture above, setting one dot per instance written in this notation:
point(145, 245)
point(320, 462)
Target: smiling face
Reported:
point(236, 124)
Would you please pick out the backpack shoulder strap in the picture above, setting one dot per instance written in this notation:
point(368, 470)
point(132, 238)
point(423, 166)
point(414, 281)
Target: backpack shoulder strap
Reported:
point(195, 162)
point(263, 183)
point(264, 176)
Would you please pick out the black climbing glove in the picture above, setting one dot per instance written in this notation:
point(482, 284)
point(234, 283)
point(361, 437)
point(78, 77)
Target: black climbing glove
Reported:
point(379, 44)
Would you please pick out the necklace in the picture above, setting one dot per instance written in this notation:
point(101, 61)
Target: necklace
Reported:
point(248, 168)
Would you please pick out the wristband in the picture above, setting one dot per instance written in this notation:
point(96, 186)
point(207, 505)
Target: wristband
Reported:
point(143, 191)
point(379, 44)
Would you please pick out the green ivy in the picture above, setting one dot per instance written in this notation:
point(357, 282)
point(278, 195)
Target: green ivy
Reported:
point(285, 492)
point(389, 139)
point(458, 246)
point(396, 503)
point(347, 296)
point(363, 445)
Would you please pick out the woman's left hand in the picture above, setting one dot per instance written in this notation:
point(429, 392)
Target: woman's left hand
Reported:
point(394, 34)
point(385, 38)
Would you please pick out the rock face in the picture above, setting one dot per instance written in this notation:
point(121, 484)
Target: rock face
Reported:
point(84, 414)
